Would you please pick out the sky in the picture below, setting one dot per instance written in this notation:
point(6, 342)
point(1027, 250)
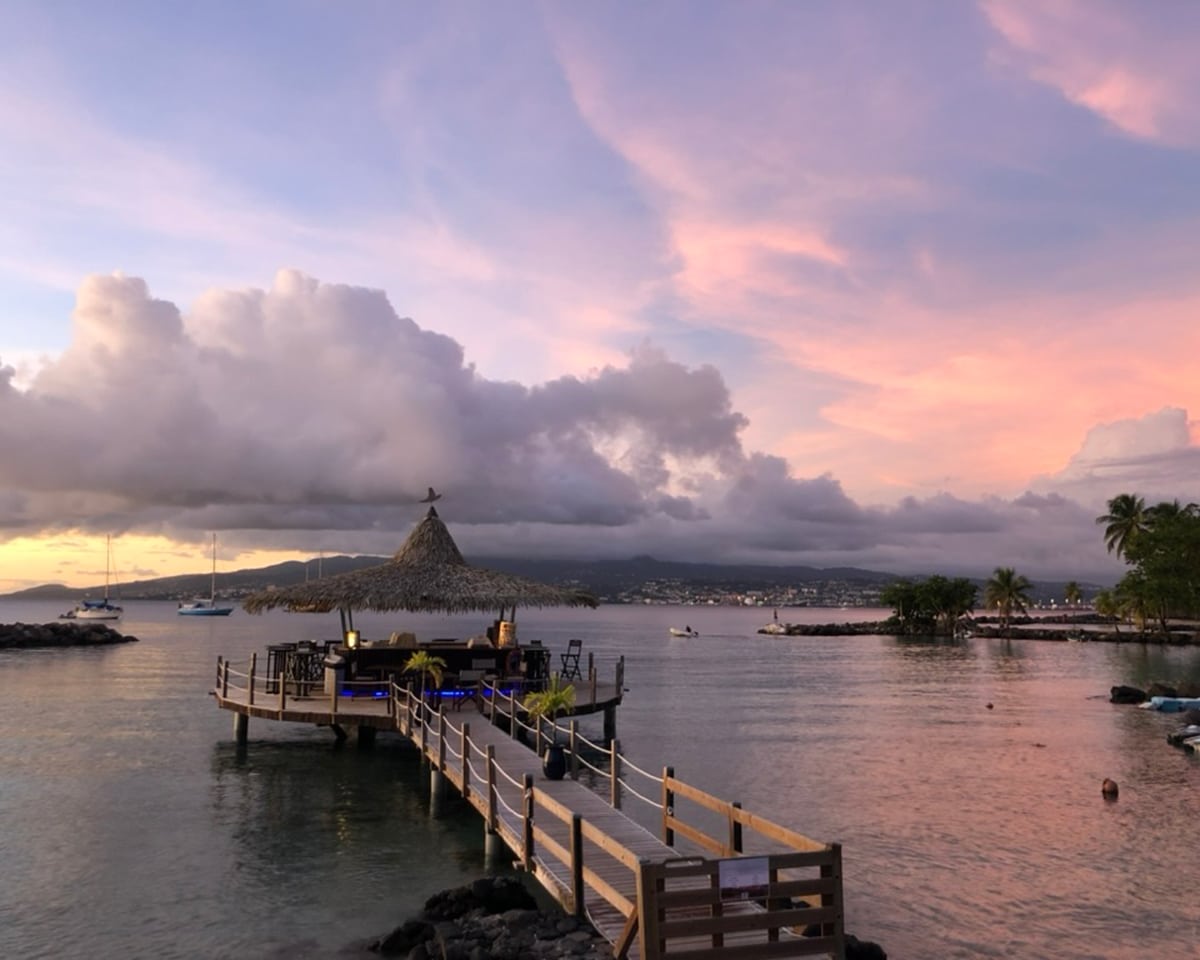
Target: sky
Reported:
point(910, 287)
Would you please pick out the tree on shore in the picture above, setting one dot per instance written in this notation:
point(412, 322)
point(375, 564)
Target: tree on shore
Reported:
point(1125, 520)
point(1007, 591)
point(1108, 605)
point(1072, 594)
point(931, 606)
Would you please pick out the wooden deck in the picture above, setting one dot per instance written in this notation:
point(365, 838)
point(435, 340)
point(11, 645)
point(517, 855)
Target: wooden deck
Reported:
point(650, 898)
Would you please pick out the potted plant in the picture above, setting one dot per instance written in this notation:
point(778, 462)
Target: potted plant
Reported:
point(556, 699)
point(427, 665)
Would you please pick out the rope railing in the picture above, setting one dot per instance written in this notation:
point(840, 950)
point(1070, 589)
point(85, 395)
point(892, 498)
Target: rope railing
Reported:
point(501, 802)
point(580, 760)
point(627, 764)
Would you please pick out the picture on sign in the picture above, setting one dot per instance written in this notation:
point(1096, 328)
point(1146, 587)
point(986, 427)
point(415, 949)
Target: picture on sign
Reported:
point(743, 879)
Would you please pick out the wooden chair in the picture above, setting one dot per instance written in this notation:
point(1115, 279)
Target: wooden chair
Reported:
point(570, 660)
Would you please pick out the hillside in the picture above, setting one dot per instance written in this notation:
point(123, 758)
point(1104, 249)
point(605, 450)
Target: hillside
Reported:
point(634, 580)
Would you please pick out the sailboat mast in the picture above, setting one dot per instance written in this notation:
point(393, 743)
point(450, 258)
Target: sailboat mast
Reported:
point(107, 563)
point(212, 590)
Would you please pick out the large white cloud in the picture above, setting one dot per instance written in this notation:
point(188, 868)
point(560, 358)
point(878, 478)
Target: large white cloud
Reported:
point(316, 407)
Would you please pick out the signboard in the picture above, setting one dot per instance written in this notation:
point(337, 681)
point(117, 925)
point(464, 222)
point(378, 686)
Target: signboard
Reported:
point(745, 878)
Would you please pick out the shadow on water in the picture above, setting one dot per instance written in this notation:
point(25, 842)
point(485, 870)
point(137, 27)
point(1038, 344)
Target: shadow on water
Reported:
point(342, 842)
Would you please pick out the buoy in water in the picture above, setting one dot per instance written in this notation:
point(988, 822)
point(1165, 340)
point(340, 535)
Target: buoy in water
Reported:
point(1108, 789)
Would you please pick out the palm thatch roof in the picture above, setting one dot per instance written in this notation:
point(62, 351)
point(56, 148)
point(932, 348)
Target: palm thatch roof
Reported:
point(427, 574)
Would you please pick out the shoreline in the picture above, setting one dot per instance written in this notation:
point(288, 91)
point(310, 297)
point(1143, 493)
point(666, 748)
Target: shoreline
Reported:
point(1104, 630)
point(502, 918)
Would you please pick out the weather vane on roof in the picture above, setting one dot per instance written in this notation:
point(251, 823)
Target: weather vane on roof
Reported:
point(431, 496)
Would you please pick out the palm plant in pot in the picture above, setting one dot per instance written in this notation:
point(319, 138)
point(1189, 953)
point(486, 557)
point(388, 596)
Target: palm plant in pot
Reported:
point(429, 666)
point(557, 698)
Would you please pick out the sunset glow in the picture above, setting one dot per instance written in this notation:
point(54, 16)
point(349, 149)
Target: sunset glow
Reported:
point(789, 283)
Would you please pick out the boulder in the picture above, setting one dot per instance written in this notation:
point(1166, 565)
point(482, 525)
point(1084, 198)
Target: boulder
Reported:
point(863, 949)
point(402, 940)
point(1124, 694)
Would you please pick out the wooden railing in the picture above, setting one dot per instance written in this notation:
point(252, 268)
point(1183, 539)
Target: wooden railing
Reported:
point(678, 907)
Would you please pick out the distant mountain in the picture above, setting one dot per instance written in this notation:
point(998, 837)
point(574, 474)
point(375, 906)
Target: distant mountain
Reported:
point(603, 577)
point(608, 579)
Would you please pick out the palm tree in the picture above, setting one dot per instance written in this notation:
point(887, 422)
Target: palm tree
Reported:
point(1107, 605)
point(1169, 510)
point(1007, 591)
point(555, 699)
point(427, 665)
point(1126, 518)
point(1072, 594)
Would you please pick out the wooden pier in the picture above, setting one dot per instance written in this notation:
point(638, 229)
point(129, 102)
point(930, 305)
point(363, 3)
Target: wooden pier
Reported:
point(714, 881)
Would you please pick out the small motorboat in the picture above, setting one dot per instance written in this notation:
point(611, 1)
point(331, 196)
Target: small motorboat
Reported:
point(775, 628)
point(684, 632)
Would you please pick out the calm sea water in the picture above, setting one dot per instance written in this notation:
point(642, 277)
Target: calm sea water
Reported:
point(132, 827)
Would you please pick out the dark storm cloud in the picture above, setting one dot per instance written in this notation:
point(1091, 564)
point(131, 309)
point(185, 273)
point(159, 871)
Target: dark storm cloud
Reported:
point(314, 408)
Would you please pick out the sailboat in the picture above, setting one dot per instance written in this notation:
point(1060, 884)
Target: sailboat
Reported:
point(202, 607)
point(98, 609)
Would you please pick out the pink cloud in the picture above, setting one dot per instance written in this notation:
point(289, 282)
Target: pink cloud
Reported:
point(1134, 68)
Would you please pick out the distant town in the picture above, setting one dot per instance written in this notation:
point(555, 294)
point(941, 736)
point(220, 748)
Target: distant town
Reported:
point(637, 580)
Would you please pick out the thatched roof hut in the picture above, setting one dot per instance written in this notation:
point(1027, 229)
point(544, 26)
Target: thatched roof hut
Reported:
point(427, 574)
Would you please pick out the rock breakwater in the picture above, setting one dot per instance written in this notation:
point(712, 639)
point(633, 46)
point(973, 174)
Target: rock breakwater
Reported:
point(24, 636)
point(495, 917)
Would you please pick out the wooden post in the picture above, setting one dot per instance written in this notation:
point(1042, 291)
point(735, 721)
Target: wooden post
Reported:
point(591, 661)
point(573, 746)
point(577, 888)
point(614, 795)
point(283, 685)
point(421, 721)
point(837, 928)
point(647, 910)
point(217, 684)
point(512, 714)
point(492, 809)
point(253, 665)
point(225, 681)
point(527, 832)
point(668, 805)
point(592, 684)
point(333, 697)
point(466, 756)
point(241, 728)
point(735, 828)
point(441, 757)
point(610, 724)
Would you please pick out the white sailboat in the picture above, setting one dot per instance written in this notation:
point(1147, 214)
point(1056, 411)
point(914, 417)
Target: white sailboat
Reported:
point(202, 607)
point(98, 609)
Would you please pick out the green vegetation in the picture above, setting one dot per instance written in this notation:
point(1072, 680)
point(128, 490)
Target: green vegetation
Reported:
point(428, 665)
point(930, 606)
point(1161, 545)
point(1125, 520)
point(555, 699)
point(1007, 591)
point(1072, 594)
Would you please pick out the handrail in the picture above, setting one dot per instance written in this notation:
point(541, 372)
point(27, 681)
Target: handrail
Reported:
point(452, 749)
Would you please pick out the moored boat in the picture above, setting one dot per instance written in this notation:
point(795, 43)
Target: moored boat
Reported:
point(206, 607)
point(104, 608)
point(684, 632)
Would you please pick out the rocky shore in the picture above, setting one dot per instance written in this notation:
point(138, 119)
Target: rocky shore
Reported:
point(1086, 626)
point(497, 918)
point(24, 636)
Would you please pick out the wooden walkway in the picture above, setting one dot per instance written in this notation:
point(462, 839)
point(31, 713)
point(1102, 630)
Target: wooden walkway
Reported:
point(647, 896)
